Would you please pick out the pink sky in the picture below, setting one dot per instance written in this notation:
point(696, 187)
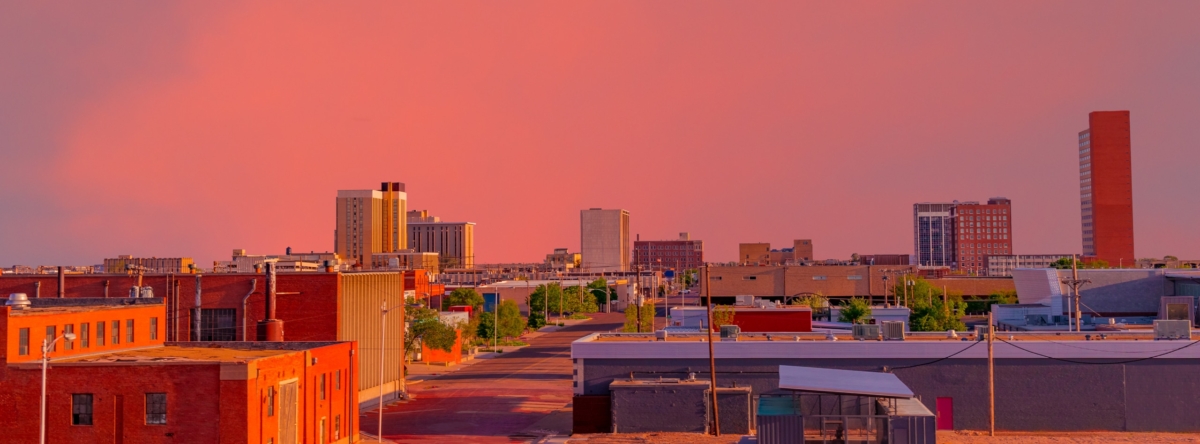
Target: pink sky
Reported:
point(176, 129)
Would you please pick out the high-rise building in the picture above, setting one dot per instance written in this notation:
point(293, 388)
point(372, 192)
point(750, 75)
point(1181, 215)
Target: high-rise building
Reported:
point(370, 222)
point(604, 239)
point(933, 234)
point(681, 254)
point(981, 231)
point(1106, 188)
point(454, 242)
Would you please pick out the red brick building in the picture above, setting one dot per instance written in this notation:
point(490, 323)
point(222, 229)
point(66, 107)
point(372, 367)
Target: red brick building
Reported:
point(118, 381)
point(682, 254)
point(313, 307)
point(1106, 188)
point(980, 231)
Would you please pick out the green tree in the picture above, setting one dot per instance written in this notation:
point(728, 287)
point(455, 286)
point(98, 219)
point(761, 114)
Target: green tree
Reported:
point(425, 326)
point(855, 311)
point(722, 315)
point(599, 289)
point(632, 318)
point(933, 312)
point(814, 301)
point(1065, 264)
point(486, 328)
point(1003, 296)
point(464, 296)
point(511, 322)
point(536, 320)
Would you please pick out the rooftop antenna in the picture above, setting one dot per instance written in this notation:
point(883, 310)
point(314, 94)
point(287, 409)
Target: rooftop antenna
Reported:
point(1075, 282)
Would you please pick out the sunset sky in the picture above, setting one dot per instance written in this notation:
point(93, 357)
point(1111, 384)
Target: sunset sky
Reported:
point(190, 129)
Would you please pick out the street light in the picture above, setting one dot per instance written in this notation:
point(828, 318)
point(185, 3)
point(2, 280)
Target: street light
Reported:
point(383, 312)
point(48, 344)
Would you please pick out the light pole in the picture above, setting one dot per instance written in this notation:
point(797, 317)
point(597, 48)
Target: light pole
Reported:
point(47, 344)
point(383, 310)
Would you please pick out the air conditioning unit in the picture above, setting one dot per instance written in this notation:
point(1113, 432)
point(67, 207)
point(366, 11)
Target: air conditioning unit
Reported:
point(1172, 329)
point(893, 330)
point(866, 331)
point(730, 332)
point(660, 335)
point(981, 332)
point(147, 292)
point(745, 300)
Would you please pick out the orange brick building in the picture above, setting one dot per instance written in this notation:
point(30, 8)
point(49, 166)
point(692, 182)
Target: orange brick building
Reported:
point(119, 381)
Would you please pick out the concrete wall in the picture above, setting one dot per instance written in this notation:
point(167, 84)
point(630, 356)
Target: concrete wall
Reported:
point(1031, 394)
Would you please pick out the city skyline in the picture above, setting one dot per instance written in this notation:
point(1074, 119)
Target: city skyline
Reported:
point(152, 132)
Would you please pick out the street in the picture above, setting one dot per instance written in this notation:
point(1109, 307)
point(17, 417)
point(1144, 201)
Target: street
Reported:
point(514, 397)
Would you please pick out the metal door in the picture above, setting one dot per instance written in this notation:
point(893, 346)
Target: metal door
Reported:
point(289, 419)
point(945, 413)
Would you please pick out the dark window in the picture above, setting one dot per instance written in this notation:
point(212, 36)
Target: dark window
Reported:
point(129, 331)
point(23, 344)
point(337, 382)
point(271, 401)
point(153, 329)
point(218, 324)
point(50, 337)
point(156, 408)
point(116, 332)
point(321, 386)
point(81, 409)
point(100, 332)
point(67, 343)
point(83, 334)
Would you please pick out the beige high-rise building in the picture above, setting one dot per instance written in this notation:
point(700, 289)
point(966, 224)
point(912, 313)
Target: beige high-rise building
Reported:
point(454, 242)
point(604, 239)
point(370, 222)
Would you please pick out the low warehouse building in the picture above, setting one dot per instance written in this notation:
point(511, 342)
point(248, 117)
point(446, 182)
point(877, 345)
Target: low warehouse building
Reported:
point(1122, 381)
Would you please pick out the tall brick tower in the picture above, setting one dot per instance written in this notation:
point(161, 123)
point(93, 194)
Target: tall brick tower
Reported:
point(1106, 188)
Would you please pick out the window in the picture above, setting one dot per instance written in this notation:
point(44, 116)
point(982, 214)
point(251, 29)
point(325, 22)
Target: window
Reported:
point(156, 408)
point(23, 344)
point(68, 344)
point(750, 278)
point(218, 324)
point(153, 329)
point(337, 382)
point(854, 277)
point(116, 332)
point(50, 337)
point(129, 331)
point(818, 278)
point(321, 386)
point(83, 334)
point(271, 401)
point(337, 427)
point(100, 332)
point(81, 409)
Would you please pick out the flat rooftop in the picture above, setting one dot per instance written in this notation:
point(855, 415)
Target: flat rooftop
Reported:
point(193, 353)
point(941, 336)
point(67, 309)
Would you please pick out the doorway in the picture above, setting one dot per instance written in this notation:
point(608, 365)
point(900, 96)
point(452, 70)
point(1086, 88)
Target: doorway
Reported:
point(945, 413)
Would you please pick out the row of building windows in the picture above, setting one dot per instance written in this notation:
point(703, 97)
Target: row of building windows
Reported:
point(84, 336)
point(82, 409)
point(986, 211)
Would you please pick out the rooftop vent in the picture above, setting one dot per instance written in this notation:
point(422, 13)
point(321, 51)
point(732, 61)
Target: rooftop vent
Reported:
point(18, 301)
point(730, 332)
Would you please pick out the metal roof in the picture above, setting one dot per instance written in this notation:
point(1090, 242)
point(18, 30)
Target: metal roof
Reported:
point(847, 382)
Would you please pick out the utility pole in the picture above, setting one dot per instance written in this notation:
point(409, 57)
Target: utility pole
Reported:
point(1075, 282)
point(712, 360)
point(991, 379)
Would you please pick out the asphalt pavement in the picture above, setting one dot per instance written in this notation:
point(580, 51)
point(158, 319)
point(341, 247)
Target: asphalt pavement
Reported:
point(518, 396)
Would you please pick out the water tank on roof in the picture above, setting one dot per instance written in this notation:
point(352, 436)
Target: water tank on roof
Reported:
point(147, 292)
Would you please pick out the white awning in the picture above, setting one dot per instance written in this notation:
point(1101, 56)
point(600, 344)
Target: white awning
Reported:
point(846, 382)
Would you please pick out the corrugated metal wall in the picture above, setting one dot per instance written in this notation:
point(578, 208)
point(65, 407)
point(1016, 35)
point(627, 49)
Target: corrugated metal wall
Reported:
point(362, 296)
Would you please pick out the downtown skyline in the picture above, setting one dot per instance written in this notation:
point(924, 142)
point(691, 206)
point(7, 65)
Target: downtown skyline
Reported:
point(733, 124)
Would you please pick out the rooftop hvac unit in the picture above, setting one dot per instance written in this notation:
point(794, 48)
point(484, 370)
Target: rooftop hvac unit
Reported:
point(133, 291)
point(147, 292)
point(730, 332)
point(893, 330)
point(981, 332)
point(866, 331)
point(745, 300)
point(1172, 329)
point(660, 335)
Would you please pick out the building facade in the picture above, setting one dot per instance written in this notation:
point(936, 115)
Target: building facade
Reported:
point(370, 221)
point(933, 234)
point(681, 254)
point(123, 264)
point(981, 231)
point(118, 381)
point(454, 242)
point(1004, 264)
point(604, 239)
point(1106, 188)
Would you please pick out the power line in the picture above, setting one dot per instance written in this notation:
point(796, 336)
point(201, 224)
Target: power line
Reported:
point(935, 361)
point(1129, 361)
